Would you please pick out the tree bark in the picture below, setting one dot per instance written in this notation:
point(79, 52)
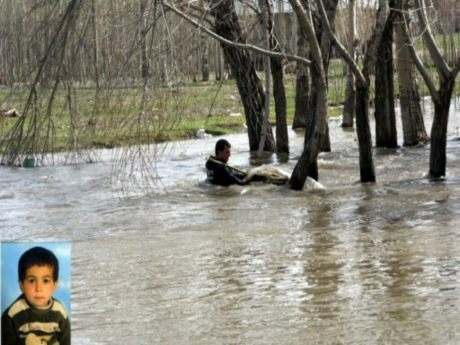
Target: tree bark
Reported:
point(366, 165)
point(279, 93)
point(325, 43)
point(314, 136)
point(385, 118)
point(204, 57)
point(349, 106)
point(242, 67)
point(204, 53)
point(413, 126)
point(439, 129)
point(362, 102)
point(263, 7)
point(145, 69)
point(302, 83)
point(441, 97)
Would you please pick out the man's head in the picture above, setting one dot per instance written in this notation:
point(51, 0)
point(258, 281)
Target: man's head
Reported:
point(38, 272)
point(223, 150)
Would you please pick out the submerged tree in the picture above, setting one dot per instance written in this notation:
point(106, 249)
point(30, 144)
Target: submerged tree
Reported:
point(302, 83)
point(366, 162)
point(249, 85)
point(316, 133)
point(350, 91)
point(385, 118)
point(440, 96)
point(279, 92)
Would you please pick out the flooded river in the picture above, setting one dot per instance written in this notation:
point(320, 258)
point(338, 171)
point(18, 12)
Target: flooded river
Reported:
point(190, 263)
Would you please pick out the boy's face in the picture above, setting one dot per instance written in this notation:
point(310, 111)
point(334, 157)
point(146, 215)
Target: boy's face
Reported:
point(38, 285)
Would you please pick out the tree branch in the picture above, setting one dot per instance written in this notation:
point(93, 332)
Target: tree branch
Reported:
point(418, 62)
point(340, 47)
point(440, 63)
point(371, 53)
point(234, 44)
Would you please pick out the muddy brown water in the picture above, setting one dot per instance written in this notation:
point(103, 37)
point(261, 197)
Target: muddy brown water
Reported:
point(194, 264)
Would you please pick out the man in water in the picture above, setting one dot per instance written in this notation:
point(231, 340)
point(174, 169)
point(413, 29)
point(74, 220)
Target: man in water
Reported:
point(219, 172)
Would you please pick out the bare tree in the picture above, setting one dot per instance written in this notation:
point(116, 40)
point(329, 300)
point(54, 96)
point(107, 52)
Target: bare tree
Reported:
point(314, 136)
point(350, 92)
point(249, 85)
point(366, 163)
point(279, 93)
point(440, 96)
point(33, 133)
point(302, 88)
point(385, 118)
point(413, 126)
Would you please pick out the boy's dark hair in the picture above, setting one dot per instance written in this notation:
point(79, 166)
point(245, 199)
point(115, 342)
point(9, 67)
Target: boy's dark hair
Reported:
point(221, 144)
point(38, 256)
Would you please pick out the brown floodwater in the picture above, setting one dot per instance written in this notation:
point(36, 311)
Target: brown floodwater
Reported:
point(183, 262)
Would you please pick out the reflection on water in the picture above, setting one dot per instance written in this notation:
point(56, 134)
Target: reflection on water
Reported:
point(198, 264)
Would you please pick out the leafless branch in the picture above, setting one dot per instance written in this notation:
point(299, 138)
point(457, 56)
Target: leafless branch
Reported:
point(340, 47)
point(435, 53)
point(234, 44)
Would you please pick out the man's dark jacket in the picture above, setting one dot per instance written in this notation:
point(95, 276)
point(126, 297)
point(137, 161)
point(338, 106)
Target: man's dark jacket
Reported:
point(221, 174)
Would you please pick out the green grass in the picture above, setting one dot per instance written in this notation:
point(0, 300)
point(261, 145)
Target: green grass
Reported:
point(168, 113)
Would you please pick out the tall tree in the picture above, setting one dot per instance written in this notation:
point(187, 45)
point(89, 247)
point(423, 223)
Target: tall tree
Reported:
point(385, 118)
point(279, 93)
point(441, 96)
point(366, 161)
point(242, 66)
point(204, 53)
point(325, 43)
point(413, 126)
point(302, 83)
point(314, 136)
point(350, 91)
point(143, 34)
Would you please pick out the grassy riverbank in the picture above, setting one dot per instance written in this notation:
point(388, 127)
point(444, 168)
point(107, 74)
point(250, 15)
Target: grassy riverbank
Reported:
point(124, 116)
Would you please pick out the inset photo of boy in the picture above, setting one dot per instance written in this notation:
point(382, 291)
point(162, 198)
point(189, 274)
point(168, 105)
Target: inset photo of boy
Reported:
point(35, 293)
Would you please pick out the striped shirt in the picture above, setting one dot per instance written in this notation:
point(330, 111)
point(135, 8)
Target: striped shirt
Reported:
point(23, 324)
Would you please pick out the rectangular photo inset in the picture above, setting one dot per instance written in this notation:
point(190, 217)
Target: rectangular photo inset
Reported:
point(35, 293)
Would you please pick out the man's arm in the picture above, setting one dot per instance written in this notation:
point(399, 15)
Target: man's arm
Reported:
point(232, 178)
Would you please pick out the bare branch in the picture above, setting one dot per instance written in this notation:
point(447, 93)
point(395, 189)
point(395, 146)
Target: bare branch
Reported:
point(201, 13)
point(340, 47)
point(234, 44)
point(418, 62)
point(371, 53)
point(440, 63)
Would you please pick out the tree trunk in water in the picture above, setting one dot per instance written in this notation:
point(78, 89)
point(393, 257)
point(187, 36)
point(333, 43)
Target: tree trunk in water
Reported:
point(349, 107)
point(282, 140)
point(302, 83)
point(279, 93)
point(366, 163)
point(326, 44)
point(242, 67)
point(385, 119)
point(350, 92)
point(439, 130)
point(307, 164)
point(308, 161)
point(414, 132)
